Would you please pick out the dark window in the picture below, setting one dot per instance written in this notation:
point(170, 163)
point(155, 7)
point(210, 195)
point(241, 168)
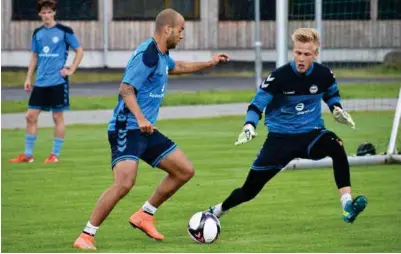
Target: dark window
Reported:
point(24, 10)
point(346, 9)
point(389, 9)
point(245, 9)
point(66, 10)
point(301, 10)
point(148, 9)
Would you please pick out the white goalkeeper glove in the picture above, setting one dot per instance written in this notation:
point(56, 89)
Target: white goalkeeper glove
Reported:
point(247, 134)
point(343, 117)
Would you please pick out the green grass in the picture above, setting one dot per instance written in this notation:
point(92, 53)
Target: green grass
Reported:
point(350, 91)
point(45, 207)
point(370, 72)
point(17, 78)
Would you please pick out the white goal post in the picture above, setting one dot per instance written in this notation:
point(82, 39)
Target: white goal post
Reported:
point(391, 157)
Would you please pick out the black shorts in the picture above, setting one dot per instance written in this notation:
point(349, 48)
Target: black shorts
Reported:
point(135, 145)
point(279, 149)
point(50, 98)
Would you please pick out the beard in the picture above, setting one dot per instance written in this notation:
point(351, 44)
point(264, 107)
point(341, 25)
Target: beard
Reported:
point(171, 44)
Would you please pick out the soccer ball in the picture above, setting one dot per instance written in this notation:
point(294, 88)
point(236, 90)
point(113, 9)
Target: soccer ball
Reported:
point(204, 227)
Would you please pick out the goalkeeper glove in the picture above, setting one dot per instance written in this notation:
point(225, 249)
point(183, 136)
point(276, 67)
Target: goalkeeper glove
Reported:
point(248, 133)
point(343, 117)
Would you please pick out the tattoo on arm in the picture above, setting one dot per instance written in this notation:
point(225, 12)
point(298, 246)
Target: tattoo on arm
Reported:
point(126, 90)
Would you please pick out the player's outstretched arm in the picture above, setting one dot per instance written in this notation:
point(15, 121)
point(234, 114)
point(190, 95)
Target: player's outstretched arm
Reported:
point(253, 115)
point(182, 67)
point(343, 117)
point(127, 92)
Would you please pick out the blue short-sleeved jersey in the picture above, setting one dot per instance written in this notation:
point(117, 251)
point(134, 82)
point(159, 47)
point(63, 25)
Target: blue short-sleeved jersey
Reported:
point(52, 45)
point(147, 71)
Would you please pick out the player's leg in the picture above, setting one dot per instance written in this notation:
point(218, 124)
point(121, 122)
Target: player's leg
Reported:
point(328, 144)
point(126, 149)
point(164, 154)
point(179, 171)
point(37, 102)
point(124, 179)
point(59, 103)
point(58, 139)
point(275, 154)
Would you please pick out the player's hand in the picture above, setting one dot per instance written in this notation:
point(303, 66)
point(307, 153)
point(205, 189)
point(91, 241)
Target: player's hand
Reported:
point(343, 117)
point(220, 58)
point(146, 127)
point(247, 134)
point(66, 72)
point(28, 86)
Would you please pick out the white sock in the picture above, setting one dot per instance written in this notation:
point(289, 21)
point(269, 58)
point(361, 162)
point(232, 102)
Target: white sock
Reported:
point(345, 198)
point(218, 210)
point(90, 229)
point(147, 207)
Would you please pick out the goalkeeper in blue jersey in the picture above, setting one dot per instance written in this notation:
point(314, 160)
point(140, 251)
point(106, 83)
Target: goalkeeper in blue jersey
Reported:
point(291, 98)
point(132, 132)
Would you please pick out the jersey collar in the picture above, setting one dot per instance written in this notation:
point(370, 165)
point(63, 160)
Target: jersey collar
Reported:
point(154, 41)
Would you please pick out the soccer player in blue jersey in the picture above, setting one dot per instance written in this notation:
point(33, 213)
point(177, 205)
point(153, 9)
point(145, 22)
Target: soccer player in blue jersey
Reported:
point(291, 98)
point(132, 132)
point(50, 44)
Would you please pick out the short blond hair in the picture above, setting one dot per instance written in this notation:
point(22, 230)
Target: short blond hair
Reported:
point(306, 35)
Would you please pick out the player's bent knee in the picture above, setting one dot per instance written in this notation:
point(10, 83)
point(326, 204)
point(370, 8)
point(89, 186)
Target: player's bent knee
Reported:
point(177, 165)
point(186, 173)
point(124, 176)
point(328, 145)
point(123, 189)
point(336, 149)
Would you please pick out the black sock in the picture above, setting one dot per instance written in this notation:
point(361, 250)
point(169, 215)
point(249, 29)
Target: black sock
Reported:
point(253, 185)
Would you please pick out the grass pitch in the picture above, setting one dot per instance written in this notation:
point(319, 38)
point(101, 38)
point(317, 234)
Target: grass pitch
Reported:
point(45, 207)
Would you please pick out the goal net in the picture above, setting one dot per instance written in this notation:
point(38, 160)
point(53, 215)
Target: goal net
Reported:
point(361, 43)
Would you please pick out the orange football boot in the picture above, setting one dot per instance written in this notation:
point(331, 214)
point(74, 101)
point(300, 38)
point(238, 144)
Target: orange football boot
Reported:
point(85, 242)
point(145, 222)
point(51, 159)
point(22, 158)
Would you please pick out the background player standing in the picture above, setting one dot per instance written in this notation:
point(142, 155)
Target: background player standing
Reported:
point(132, 132)
point(291, 97)
point(50, 44)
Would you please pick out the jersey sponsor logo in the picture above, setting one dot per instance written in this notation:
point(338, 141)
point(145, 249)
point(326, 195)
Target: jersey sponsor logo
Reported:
point(156, 95)
point(265, 84)
point(313, 89)
point(288, 92)
point(46, 50)
point(306, 111)
point(299, 107)
point(55, 39)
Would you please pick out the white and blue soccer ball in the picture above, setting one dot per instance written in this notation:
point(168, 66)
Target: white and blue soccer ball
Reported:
point(204, 227)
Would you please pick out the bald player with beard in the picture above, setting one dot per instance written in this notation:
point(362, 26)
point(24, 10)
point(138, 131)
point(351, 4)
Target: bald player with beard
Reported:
point(132, 132)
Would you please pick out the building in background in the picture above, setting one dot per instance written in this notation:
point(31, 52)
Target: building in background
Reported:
point(359, 31)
